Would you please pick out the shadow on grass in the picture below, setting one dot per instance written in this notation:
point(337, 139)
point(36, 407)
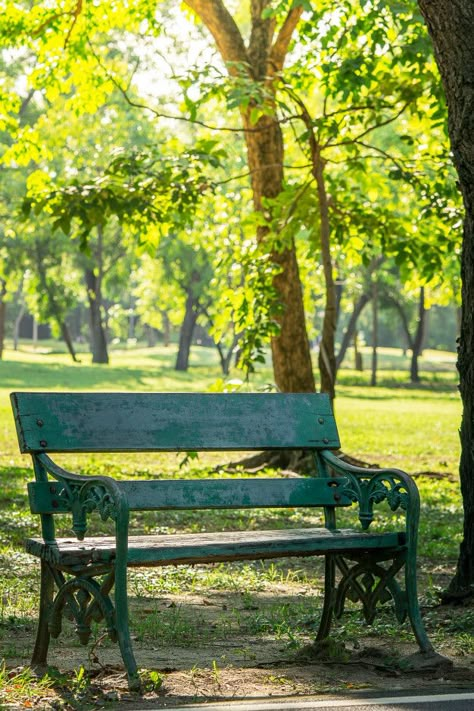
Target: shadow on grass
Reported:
point(429, 384)
point(56, 376)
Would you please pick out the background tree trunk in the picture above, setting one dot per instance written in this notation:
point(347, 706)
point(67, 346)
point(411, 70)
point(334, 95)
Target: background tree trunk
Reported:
point(327, 352)
point(166, 329)
point(66, 335)
point(404, 322)
point(419, 338)
point(3, 309)
point(451, 26)
point(358, 361)
point(375, 332)
point(16, 328)
point(350, 333)
point(186, 333)
point(94, 296)
point(53, 307)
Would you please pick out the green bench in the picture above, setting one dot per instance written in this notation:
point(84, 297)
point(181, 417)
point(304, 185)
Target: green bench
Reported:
point(79, 573)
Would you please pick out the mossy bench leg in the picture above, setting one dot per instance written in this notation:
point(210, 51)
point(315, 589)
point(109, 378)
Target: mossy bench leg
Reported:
point(413, 608)
point(40, 652)
point(121, 618)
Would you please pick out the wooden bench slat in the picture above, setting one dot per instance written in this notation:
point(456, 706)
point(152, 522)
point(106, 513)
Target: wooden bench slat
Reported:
point(47, 497)
point(208, 547)
point(128, 422)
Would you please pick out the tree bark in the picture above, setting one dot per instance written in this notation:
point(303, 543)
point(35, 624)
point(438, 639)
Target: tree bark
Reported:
point(262, 61)
point(451, 26)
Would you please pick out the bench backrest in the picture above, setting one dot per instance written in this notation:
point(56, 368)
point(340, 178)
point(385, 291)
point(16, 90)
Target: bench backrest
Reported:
point(126, 422)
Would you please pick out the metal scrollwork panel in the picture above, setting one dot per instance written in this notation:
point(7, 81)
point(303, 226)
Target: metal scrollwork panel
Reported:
point(83, 499)
point(83, 600)
point(373, 490)
point(367, 581)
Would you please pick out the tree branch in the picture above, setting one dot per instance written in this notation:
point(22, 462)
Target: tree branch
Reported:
point(160, 114)
point(223, 28)
point(368, 130)
point(396, 161)
point(280, 47)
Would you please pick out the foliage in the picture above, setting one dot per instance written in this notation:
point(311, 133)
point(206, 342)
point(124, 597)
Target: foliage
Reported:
point(90, 126)
point(138, 188)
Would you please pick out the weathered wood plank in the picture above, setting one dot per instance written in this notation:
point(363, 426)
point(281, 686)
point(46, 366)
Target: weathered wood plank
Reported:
point(114, 422)
point(48, 497)
point(164, 550)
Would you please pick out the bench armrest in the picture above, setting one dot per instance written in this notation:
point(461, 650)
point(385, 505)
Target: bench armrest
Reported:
point(83, 494)
point(367, 487)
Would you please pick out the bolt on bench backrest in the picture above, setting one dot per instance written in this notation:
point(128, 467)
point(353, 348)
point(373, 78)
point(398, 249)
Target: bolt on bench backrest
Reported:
point(140, 422)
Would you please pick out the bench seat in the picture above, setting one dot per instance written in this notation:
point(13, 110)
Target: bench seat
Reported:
point(175, 549)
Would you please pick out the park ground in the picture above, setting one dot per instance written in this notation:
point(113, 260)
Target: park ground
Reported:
point(243, 629)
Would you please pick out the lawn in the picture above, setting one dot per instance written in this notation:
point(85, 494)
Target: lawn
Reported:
point(215, 624)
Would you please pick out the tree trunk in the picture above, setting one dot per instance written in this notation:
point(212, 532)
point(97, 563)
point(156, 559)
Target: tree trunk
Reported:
point(350, 332)
point(292, 366)
point(54, 308)
point(68, 340)
point(451, 26)
point(419, 338)
point(131, 320)
point(262, 61)
point(3, 309)
point(405, 324)
point(150, 333)
point(327, 353)
point(16, 329)
point(186, 333)
point(358, 362)
point(94, 296)
point(375, 332)
point(226, 358)
point(166, 329)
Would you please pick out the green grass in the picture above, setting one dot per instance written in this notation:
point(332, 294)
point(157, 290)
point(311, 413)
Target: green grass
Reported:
point(393, 424)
